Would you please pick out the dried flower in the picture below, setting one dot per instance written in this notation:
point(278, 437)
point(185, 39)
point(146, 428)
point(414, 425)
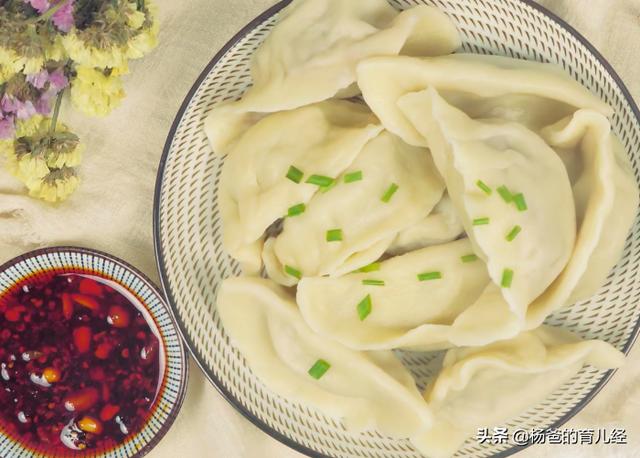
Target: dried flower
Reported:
point(95, 93)
point(7, 128)
point(56, 186)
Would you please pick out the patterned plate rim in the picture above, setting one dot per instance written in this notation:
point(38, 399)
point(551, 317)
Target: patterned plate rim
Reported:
point(175, 410)
point(161, 262)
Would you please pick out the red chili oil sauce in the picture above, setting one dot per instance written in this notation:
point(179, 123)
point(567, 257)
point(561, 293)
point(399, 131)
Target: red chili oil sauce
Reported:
point(81, 363)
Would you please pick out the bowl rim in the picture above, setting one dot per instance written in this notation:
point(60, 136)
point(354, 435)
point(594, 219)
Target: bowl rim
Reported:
point(184, 359)
point(161, 262)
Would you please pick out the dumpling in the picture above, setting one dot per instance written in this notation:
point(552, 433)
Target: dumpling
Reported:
point(442, 225)
point(331, 37)
point(509, 187)
point(487, 386)
point(389, 187)
point(404, 302)
point(529, 93)
point(606, 197)
point(254, 192)
point(369, 390)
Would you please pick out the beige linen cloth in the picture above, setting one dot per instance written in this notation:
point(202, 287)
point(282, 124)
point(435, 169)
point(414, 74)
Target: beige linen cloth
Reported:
point(112, 210)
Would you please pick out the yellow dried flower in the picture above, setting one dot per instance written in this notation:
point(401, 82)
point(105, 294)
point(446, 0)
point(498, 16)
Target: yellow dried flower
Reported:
point(121, 70)
point(62, 159)
point(147, 39)
point(135, 18)
point(57, 186)
point(56, 51)
point(95, 93)
point(28, 127)
point(90, 56)
point(6, 73)
point(10, 61)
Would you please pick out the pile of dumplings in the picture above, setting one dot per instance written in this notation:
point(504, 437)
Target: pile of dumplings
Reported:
point(383, 192)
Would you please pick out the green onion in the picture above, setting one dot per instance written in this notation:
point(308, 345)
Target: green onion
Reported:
point(334, 235)
point(386, 197)
point(429, 276)
point(373, 282)
point(364, 307)
point(481, 221)
point(373, 267)
point(505, 194)
point(295, 174)
point(293, 272)
point(507, 278)
point(328, 188)
point(513, 234)
point(319, 369)
point(482, 185)
point(469, 258)
point(297, 210)
point(353, 176)
point(521, 204)
point(319, 180)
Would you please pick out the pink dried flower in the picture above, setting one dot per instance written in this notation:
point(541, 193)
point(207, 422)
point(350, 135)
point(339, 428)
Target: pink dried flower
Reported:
point(7, 127)
point(9, 104)
point(26, 110)
point(38, 80)
point(63, 18)
point(58, 79)
point(43, 105)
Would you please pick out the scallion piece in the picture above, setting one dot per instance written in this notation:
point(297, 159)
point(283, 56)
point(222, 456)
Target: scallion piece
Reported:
point(426, 276)
point(372, 282)
point(386, 197)
point(364, 307)
point(293, 272)
point(373, 267)
point(483, 186)
point(507, 278)
point(319, 369)
point(334, 235)
point(513, 233)
point(295, 174)
point(319, 180)
point(481, 221)
point(296, 210)
point(505, 194)
point(469, 258)
point(521, 204)
point(353, 176)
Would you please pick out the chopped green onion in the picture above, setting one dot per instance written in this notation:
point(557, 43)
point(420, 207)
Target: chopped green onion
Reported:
point(481, 221)
point(319, 369)
point(507, 278)
point(469, 258)
point(373, 282)
point(319, 180)
point(297, 210)
point(429, 276)
point(373, 267)
point(334, 235)
point(513, 234)
point(521, 204)
point(482, 185)
point(295, 174)
point(364, 307)
point(505, 194)
point(353, 176)
point(386, 197)
point(293, 272)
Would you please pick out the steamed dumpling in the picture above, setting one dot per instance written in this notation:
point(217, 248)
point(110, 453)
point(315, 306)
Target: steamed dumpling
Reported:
point(254, 190)
point(330, 37)
point(394, 186)
point(486, 386)
point(606, 196)
point(442, 225)
point(404, 311)
point(368, 390)
point(529, 93)
point(511, 190)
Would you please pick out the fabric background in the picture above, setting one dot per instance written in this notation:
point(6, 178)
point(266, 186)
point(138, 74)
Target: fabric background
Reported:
point(112, 210)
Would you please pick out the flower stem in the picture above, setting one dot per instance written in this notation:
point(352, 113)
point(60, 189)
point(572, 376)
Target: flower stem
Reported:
point(56, 112)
